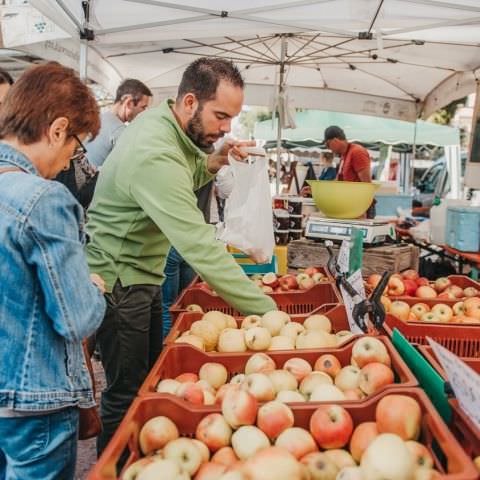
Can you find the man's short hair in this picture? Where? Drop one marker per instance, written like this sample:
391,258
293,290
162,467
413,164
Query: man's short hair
133,87
5,77
203,76
333,132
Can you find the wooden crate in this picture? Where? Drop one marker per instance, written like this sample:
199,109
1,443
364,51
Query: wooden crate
392,258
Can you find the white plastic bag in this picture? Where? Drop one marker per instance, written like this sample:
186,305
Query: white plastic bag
248,223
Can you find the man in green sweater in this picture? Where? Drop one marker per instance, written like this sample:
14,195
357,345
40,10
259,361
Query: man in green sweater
143,203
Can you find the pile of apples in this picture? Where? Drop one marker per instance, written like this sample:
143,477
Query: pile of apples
297,381
271,283
274,330
248,442
467,311
410,284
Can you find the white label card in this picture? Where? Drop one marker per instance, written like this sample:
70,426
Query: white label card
464,380
343,259
356,281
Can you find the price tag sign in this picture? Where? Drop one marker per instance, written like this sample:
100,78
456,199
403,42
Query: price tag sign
465,381
356,281
343,259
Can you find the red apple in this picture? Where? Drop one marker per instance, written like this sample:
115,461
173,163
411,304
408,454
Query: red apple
399,414
396,286
369,349
156,433
441,284
446,296
456,291
310,271
191,392
422,281
259,363
410,275
239,408
273,418
401,309
260,386
410,287
270,280
331,426
225,456
207,471
329,364
375,376
187,377
425,292
288,282
214,432
362,437
298,367
374,279
298,441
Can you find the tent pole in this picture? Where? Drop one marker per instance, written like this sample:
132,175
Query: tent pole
83,60
279,111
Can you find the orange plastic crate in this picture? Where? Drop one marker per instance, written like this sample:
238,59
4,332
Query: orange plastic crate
464,429
181,358
336,314
298,302
435,434
463,340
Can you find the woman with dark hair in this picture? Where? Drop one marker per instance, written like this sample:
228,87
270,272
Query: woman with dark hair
48,300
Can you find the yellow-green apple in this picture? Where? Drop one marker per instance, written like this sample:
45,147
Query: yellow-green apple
400,309
206,387
331,426
348,377
270,279
320,466
312,339
396,287
203,449
375,376
185,453
386,302
274,321
362,437
282,342
443,312
282,380
217,318
156,433
425,292
318,322
387,457
430,317
258,338
193,307
292,329
131,473
260,386
354,394
456,291
289,396
419,309
399,414
225,455
232,340
319,278
297,441
421,455
298,367
367,350
191,392
441,284
238,379
328,364
424,473
350,473
472,307
208,471
208,398
326,393
165,469
251,321
273,418
239,408
207,331
306,283
248,440
470,292
267,289
259,363
273,463
341,458
214,373
214,431
193,340
168,386
231,322
313,380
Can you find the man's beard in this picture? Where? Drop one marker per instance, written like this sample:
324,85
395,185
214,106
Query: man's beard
196,134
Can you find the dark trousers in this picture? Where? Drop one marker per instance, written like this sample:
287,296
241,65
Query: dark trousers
130,341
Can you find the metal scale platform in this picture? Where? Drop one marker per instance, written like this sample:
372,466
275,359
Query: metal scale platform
375,232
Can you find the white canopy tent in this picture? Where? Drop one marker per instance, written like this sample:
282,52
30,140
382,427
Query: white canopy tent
392,58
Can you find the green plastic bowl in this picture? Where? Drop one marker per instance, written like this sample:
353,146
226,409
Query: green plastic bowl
337,199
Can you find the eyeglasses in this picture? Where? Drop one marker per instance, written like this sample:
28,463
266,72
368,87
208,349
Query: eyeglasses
81,146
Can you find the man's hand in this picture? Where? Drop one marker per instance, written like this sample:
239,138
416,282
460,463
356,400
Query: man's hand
219,158
98,281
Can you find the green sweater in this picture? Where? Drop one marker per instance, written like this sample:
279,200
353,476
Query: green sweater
144,201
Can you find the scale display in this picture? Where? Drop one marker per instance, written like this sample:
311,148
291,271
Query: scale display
333,230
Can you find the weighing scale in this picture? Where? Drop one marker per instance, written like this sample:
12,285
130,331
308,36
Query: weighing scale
375,232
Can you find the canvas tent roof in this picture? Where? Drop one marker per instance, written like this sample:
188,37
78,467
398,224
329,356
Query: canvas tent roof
393,58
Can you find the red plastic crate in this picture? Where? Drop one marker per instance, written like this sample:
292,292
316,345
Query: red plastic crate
298,302
336,314
461,339
466,432
181,358
435,434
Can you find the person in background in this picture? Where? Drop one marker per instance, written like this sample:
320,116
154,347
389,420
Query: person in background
6,81
49,301
328,172
131,99
144,202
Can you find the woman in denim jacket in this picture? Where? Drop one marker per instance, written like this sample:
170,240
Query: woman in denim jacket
48,301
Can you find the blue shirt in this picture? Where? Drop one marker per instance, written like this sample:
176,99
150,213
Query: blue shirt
48,303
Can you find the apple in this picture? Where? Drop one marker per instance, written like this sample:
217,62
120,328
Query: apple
289,396
259,363
443,312
206,331
251,321
191,392
298,441
273,418
410,275
281,342
373,280
421,455
225,456
318,322
239,408
208,471
430,317
131,473
223,390
313,339
369,349
422,281
319,278
354,394
396,286
267,289
206,387
375,376
327,393
248,440
168,386
273,463
387,457
456,291
274,321
350,473
156,433
423,473
260,386
331,426
446,295
214,373
343,336
472,307
362,437
288,282
399,414
441,284
232,340
185,453
282,380
306,283
419,309
459,308
214,431
292,329
386,302
470,292
328,364
203,449
301,277
238,379
270,280
348,377
320,466
187,377
193,340
311,271
313,380
217,318
341,458
231,322
401,309
164,469
298,367
258,338
410,287
193,307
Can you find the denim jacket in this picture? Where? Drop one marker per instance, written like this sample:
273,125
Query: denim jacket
48,303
